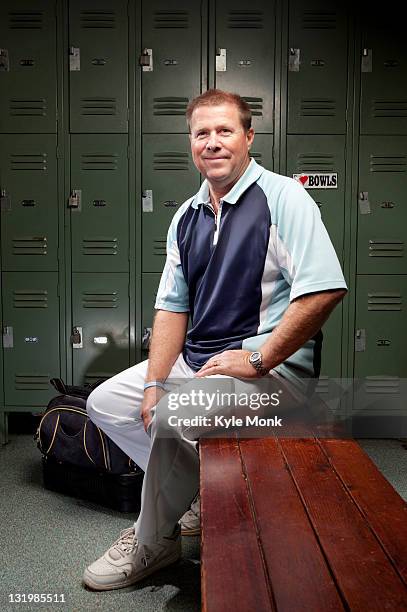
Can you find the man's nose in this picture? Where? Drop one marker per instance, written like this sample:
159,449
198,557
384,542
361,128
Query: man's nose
213,142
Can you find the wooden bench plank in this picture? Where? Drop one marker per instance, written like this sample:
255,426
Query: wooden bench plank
295,563
382,506
236,580
362,570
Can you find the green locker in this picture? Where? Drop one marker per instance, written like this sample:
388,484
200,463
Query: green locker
100,314
29,227
171,54
169,178
380,347
317,67
99,203
149,287
383,65
98,66
28,66
382,219
30,337
323,156
245,42
262,150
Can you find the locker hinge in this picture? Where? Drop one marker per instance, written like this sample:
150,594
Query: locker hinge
5,200
146,60
360,340
367,60
220,60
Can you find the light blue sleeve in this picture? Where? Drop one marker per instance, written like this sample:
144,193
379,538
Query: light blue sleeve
172,292
305,253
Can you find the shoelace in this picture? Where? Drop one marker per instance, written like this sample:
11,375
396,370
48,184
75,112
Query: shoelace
126,542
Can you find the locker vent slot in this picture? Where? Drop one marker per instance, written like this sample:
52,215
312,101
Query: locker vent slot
99,161
382,384
99,246
30,245
388,163
26,20
255,104
319,20
28,162
384,301
92,377
386,248
100,300
246,19
30,298
389,108
257,157
170,106
323,162
98,106
160,247
317,107
171,19
31,382
26,107
171,160
98,19
323,385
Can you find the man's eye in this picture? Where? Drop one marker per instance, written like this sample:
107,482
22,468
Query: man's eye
226,132
201,135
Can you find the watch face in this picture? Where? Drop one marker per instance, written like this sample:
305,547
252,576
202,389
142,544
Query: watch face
254,357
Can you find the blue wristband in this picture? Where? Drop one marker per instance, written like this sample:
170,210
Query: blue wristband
154,383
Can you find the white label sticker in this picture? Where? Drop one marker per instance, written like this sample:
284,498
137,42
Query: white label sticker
317,180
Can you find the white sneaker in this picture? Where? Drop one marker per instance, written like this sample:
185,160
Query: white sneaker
191,521
127,561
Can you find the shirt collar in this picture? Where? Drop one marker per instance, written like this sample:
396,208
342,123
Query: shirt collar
250,176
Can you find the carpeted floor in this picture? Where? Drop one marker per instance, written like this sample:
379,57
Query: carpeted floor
47,539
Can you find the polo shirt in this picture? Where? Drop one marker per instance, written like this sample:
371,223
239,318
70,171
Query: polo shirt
237,272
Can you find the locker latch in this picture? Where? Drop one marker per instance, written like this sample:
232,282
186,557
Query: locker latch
4,61
146,338
8,340
5,200
294,60
360,340
75,199
220,60
366,63
76,337
74,59
146,60
147,198
364,204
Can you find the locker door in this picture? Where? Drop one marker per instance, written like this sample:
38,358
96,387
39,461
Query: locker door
149,287
100,224
31,338
28,66
98,65
245,37
384,72
317,67
169,178
172,31
262,150
29,228
382,218
100,312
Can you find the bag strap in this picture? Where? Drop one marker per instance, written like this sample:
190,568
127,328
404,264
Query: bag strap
59,385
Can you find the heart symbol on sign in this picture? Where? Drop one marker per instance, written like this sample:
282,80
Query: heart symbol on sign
303,179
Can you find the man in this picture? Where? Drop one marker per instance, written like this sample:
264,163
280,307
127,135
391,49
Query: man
246,256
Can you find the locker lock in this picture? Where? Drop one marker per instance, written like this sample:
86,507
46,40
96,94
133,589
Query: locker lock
75,199
76,337
146,60
146,338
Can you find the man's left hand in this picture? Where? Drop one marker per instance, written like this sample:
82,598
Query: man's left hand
230,363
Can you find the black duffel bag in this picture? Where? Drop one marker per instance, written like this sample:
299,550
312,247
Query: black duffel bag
79,459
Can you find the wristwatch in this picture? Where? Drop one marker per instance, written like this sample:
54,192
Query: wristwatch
256,360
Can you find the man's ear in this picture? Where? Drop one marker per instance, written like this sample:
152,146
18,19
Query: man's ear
250,137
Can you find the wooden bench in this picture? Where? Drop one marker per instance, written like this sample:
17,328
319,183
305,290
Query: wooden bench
299,525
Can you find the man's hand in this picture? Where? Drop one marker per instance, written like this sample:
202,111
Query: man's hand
152,396
231,363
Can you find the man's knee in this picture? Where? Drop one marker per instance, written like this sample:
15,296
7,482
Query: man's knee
96,405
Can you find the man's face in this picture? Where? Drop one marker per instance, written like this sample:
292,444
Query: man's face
220,144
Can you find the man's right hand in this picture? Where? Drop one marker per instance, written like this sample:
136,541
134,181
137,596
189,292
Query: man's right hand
152,396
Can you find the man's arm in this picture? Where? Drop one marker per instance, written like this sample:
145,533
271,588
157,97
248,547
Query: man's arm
167,341
303,318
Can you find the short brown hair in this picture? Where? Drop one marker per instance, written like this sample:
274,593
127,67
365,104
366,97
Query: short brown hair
215,97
